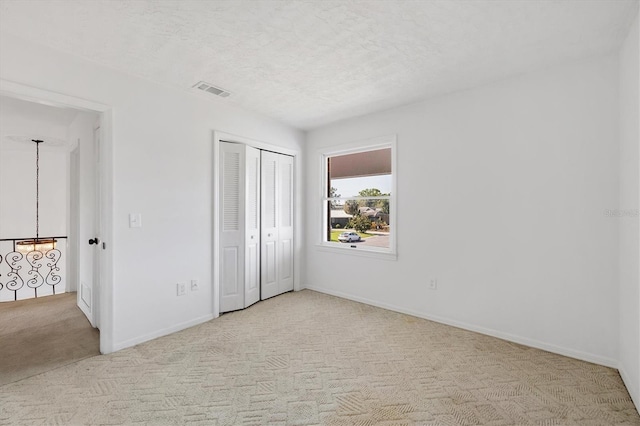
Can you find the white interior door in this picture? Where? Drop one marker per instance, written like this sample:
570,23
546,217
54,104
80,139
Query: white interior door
89,226
252,227
285,223
277,224
232,223
269,232
98,243
255,237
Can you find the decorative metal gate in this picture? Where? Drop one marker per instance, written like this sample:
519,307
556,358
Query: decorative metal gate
25,269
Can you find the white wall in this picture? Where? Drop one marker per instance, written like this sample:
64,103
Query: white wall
501,196
18,175
162,161
628,220
18,193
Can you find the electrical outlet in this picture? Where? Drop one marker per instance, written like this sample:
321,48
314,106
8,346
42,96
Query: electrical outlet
194,285
182,289
135,220
433,283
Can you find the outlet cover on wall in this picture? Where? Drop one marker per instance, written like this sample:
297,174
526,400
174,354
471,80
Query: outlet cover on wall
135,220
194,285
182,289
433,283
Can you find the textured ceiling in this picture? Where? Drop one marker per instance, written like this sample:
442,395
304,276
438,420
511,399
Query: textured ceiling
308,63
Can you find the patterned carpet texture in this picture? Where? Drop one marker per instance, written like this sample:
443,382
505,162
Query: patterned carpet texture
307,358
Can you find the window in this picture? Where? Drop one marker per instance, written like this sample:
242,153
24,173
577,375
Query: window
358,200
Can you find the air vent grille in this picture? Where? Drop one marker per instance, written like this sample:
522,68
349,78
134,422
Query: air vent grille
210,88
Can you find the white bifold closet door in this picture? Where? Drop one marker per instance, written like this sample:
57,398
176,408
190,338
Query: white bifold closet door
256,225
277,224
239,226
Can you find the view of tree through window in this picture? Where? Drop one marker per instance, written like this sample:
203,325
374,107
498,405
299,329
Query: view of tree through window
358,198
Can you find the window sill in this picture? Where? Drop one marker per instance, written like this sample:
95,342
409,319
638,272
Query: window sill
346,249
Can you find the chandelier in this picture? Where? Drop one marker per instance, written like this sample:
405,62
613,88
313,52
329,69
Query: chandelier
36,244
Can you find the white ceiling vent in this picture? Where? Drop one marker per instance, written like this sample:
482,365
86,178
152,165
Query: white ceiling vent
206,87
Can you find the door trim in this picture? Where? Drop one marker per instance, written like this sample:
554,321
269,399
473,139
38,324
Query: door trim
33,94
219,136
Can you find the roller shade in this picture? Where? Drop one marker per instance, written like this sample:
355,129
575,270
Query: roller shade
369,163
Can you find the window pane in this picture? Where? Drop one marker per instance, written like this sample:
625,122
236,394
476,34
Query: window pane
357,199
368,218
361,186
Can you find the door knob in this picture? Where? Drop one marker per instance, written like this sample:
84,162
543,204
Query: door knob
94,241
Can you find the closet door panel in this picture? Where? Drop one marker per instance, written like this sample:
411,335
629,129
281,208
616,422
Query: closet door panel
286,263
285,223
231,227
252,274
270,260
252,227
229,272
256,225
269,231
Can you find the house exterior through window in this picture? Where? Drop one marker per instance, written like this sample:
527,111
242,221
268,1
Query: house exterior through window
359,196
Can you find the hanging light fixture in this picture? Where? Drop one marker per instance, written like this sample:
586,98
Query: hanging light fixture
36,244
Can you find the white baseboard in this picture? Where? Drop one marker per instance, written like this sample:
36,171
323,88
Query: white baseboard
572,353
632,387
163,332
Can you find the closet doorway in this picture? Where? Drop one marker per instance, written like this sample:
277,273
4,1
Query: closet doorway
255,223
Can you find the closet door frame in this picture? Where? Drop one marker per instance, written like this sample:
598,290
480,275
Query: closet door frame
297,213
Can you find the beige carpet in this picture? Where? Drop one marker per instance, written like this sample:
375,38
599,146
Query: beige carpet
308,358
38,335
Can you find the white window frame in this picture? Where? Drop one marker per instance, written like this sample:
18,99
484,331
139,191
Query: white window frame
373,144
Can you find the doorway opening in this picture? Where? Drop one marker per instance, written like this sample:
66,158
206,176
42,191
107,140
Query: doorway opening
49,292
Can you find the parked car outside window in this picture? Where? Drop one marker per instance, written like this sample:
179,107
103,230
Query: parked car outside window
347,237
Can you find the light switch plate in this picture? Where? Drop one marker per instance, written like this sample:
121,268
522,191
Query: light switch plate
433,283
135,220
182,289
